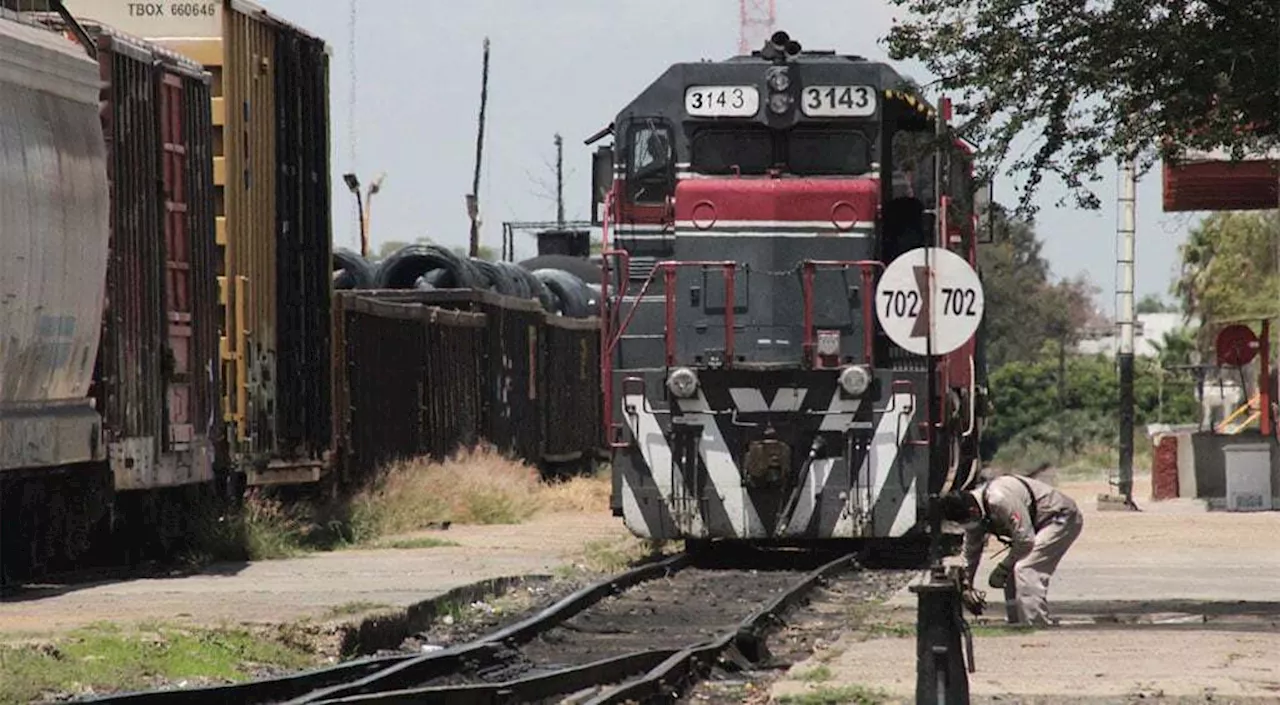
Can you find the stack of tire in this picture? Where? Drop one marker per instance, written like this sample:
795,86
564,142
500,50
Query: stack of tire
429,267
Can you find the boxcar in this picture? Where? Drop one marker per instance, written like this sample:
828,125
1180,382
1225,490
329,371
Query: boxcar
156,379
269,107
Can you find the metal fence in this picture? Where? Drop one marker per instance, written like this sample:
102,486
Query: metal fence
423,373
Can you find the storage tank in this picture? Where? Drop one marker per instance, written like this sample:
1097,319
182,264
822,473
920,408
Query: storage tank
270,112
53,247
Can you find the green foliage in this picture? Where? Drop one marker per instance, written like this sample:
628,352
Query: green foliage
1090,80
109,658
1023,309
1154,304
844,695
1030,420
1229,272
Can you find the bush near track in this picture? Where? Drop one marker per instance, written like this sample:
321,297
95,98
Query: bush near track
473,486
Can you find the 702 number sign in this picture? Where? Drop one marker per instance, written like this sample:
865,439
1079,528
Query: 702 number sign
838,101
955,302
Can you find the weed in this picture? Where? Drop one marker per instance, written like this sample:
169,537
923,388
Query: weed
817,674
358,607
414,542
890,630
850,694
614,555
474,486
102,658
1001,630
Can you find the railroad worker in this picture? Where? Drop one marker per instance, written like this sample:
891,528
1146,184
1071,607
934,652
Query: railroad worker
1038,522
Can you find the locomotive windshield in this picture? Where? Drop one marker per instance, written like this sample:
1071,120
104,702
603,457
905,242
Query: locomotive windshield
803,151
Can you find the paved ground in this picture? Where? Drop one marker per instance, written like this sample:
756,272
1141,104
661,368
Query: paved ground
1133,594
283,590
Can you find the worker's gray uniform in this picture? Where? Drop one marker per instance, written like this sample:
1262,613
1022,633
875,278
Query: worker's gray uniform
1039,536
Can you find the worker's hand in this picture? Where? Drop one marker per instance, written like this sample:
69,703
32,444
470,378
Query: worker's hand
999,576
974,601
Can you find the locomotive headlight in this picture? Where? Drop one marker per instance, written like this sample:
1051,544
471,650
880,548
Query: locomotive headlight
855,379
778,79
682,382
780,103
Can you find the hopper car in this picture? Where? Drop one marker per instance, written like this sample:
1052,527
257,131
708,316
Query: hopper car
751,394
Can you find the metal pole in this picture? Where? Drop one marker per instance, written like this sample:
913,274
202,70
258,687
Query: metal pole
1125,319
364,230
559,182
941,676
474,201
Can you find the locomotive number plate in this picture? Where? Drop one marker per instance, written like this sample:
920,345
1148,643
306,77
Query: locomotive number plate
722,101
838,101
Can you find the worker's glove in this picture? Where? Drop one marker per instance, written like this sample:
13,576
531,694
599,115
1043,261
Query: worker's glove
974,601
999,576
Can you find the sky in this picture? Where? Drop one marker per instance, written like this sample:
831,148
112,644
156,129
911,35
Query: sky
569,66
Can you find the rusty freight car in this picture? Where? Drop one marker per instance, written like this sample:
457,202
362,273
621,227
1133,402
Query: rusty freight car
269,106
156,378
148,343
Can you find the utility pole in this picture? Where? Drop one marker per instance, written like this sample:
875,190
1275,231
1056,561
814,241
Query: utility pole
559,181
1125,319
473,199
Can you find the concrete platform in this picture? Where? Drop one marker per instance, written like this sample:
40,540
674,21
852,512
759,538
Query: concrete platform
1169,601
279,591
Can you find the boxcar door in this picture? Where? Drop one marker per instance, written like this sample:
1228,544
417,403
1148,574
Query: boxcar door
180,397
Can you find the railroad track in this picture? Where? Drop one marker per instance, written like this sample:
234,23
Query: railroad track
640,636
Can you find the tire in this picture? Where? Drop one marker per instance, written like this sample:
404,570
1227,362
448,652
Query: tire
496,280
572,294
351,271
538,290
405,266
518,278
588,270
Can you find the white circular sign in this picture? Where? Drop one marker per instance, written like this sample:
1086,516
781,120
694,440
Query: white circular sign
905,303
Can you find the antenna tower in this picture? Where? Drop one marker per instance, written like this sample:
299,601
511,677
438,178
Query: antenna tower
351,110
757,18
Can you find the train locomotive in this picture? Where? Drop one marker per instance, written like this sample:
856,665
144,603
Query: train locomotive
749,207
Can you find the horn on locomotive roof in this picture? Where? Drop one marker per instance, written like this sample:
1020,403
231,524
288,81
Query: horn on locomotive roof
780,46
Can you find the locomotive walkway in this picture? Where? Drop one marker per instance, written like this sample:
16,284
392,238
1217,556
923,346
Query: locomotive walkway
1172,602
279,591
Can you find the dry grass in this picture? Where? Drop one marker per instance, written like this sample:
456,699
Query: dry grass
474,486
577,494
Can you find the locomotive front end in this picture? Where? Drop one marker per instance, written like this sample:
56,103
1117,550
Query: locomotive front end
750,392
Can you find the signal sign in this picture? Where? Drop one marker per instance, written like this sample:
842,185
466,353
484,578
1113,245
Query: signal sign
905,303
1237,345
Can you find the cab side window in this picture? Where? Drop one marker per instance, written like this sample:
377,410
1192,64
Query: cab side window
650,162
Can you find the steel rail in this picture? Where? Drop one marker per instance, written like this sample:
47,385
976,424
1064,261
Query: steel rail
422,668
655,673
672,674
347,678
526,689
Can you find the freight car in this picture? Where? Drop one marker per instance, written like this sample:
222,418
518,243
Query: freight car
107,430
270,120
750,206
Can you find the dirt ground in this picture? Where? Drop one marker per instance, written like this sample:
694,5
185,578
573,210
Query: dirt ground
283,590
1168,604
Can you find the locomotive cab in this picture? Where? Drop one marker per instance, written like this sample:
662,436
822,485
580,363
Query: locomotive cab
748,208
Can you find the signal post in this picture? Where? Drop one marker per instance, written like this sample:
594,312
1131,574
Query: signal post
930,301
